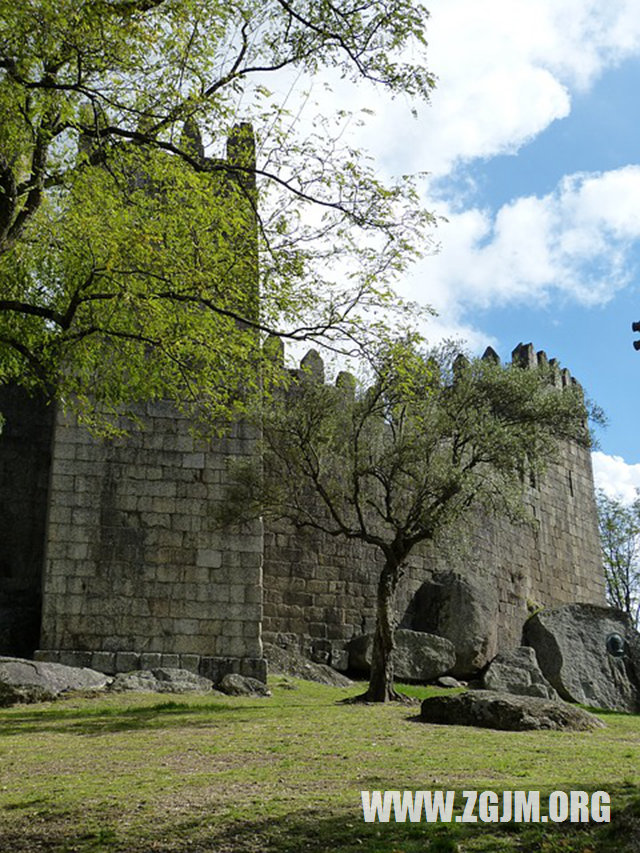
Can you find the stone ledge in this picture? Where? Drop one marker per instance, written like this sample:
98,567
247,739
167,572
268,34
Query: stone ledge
214,668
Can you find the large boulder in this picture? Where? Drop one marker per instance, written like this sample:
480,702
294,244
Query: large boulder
464,611
288,661
590,654
23,694
161,680
487,709
241,685
517,671
417,656
28,681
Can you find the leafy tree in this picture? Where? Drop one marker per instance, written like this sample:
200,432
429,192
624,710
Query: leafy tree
620,537
128,254
397,462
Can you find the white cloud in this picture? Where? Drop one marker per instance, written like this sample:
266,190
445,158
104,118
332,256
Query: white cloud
506,69
448,327
615,477
576,243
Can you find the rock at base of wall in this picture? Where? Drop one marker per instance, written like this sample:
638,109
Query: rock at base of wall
161,680
517,671
487,709
417,656
14,694
465,612
239,685
45,680
576,648
288,661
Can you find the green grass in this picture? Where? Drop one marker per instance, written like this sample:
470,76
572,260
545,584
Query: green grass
138,772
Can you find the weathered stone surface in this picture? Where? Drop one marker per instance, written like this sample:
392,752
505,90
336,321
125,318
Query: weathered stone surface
517,671
571,646
312,366
290,662
171,675
360,649
51,678
487,709
465,612
140,681
161,680
340,658
422,657
318,586
449,682
135,552
239,685
15,694
418,656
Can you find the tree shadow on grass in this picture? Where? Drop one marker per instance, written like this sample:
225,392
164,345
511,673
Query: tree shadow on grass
348,834
308,833
315,831
87,721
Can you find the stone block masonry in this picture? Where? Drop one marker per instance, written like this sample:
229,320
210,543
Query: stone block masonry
136,571
137,568
320,591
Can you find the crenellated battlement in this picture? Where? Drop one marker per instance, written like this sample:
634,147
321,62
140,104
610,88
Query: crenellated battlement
525,356
312,368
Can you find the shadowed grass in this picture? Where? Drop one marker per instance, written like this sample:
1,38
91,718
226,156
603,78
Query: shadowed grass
137,773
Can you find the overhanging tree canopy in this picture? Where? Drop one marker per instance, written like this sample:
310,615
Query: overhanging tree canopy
127,250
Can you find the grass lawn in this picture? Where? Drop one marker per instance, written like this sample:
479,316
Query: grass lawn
149,772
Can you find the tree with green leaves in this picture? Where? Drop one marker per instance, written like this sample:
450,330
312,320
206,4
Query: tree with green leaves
400,460
619,525
133,250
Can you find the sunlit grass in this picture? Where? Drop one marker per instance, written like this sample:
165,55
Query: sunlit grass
138,772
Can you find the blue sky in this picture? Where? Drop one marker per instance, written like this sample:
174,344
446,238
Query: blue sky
601,133
532,140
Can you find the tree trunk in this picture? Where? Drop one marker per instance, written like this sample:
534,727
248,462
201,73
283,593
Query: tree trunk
381,678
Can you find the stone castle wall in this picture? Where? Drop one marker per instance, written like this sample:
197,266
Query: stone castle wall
322,590
133,567
137,571
111,550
